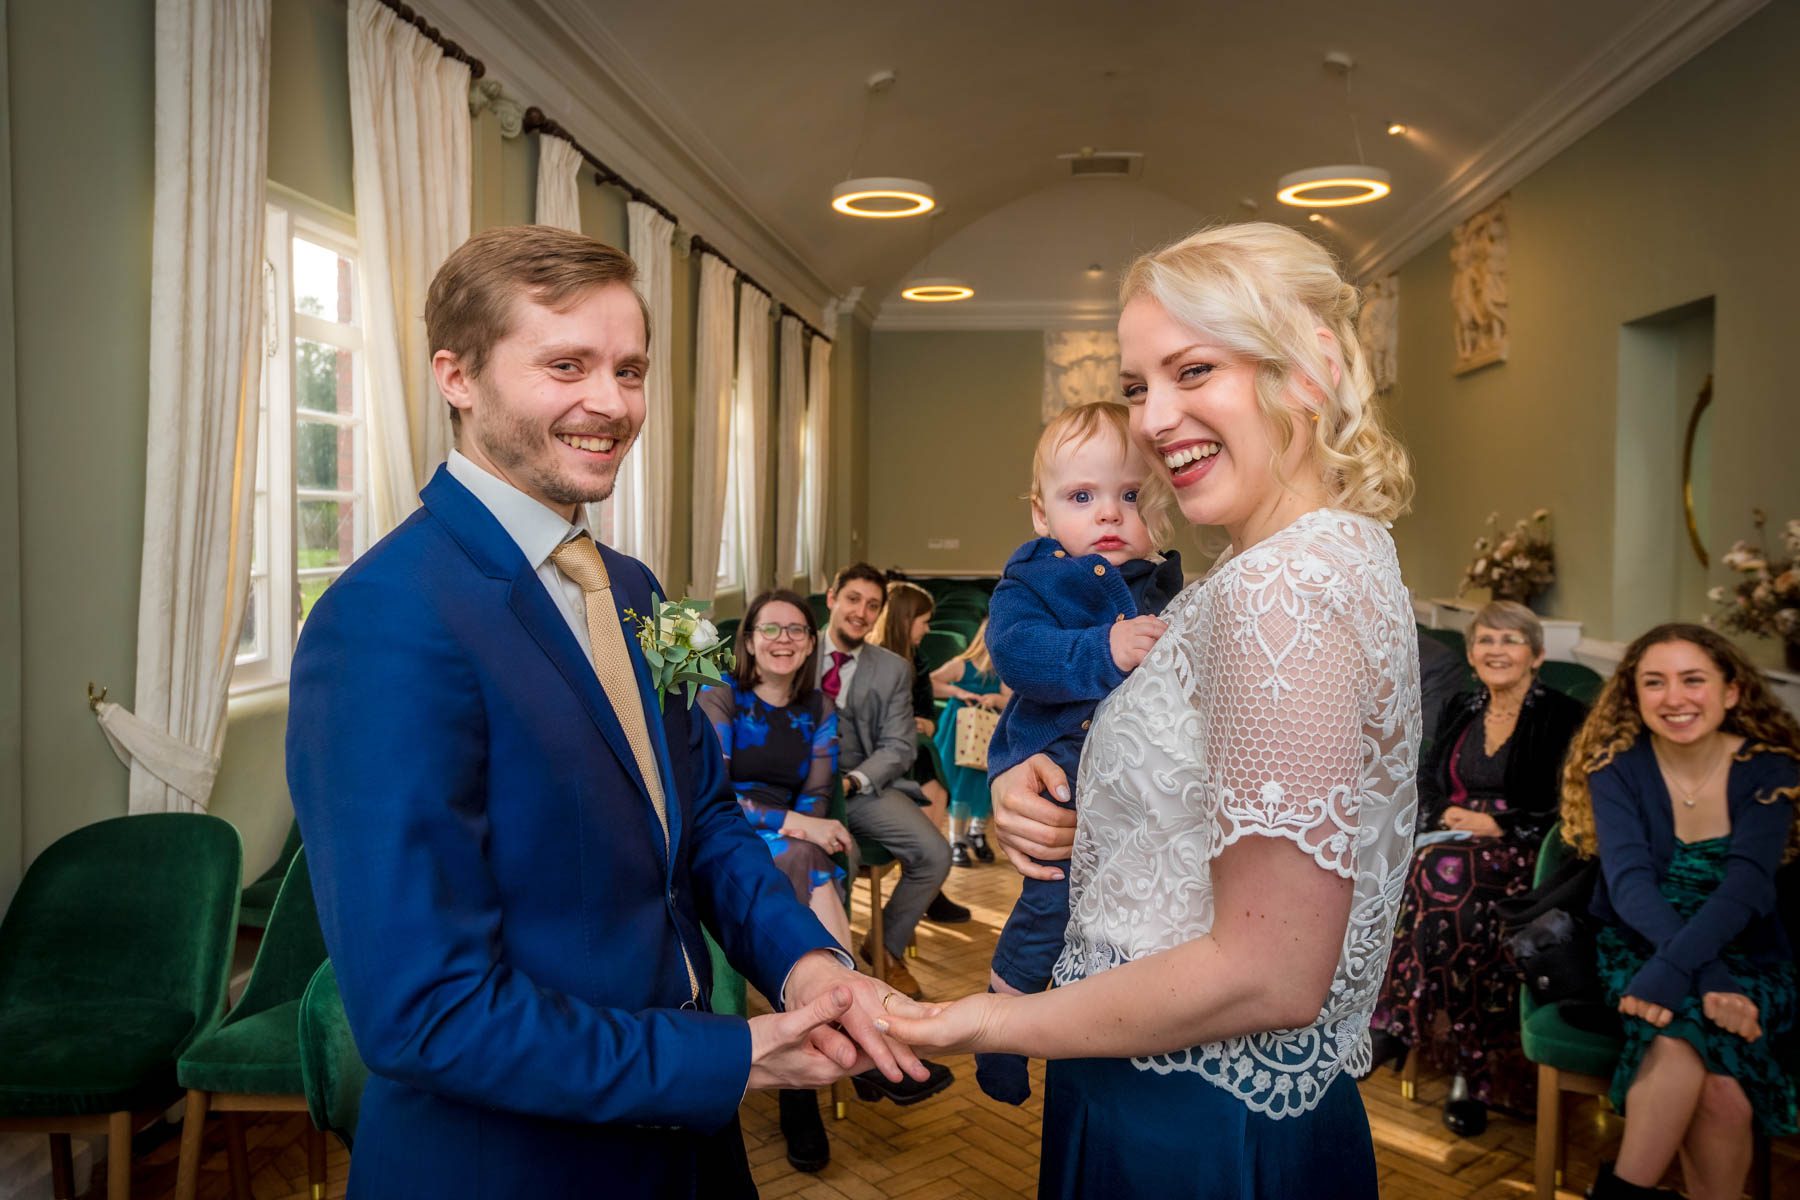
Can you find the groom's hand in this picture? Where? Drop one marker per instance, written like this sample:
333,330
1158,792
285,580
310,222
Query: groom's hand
818,974
784,1052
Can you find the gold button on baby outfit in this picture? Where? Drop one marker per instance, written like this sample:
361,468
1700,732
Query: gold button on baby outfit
1057,554
1099,570
1118,618
1085,724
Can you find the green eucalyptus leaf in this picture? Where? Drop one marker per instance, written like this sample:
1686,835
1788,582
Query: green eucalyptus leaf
652,657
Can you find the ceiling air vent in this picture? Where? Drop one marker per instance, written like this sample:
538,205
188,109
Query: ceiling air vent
1088,163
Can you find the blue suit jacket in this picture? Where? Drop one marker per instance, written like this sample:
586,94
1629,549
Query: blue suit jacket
496,892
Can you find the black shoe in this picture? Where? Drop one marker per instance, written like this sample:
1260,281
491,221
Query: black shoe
1465,1118
979,843
1610,1187
873,1085
808,1149
945,911
960,856
1385,1047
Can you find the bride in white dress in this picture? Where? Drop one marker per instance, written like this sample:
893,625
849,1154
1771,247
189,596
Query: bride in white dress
1245,802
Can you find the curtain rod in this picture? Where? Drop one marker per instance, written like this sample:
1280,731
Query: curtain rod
537,122
451,50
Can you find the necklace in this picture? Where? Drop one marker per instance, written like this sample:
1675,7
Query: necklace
1690,795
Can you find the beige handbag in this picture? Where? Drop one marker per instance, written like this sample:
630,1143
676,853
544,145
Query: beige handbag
974,730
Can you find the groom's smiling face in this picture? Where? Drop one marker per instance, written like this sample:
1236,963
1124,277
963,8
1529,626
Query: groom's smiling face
560,399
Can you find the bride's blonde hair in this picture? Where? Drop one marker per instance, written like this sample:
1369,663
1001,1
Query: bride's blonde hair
1263,292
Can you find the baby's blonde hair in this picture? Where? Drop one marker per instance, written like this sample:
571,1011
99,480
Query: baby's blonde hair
1074,427
1263,291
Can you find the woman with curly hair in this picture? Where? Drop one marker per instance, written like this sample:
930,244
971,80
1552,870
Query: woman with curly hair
1683,780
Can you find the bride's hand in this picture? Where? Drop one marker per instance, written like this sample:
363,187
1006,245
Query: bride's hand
966,1025
1026,824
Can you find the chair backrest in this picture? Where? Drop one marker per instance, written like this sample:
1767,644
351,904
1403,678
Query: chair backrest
331,1070
939,646
728,994
143,907
1572,679
1553,852
292,947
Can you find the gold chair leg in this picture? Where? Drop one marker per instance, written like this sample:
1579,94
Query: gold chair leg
840,1091
62,1168
912,947
1549,1133
315,1161
877,929
193,1136
239,1155
1409,1076
118,1156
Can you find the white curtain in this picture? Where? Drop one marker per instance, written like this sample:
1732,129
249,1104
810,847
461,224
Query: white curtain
818,460
206,271
712,421
750,432
789,418
644,494
409,121
559,173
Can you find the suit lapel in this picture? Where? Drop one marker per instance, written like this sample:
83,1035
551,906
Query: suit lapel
494,552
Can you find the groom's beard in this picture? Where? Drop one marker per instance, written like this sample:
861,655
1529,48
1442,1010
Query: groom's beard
517,445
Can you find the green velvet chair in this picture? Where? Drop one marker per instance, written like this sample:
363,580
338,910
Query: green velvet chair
250,1062
939,646
1572,679
964,627
332,1073
1568,1059
258,899
113,958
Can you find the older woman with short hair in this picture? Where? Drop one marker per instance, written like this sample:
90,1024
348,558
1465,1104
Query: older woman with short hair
1487,795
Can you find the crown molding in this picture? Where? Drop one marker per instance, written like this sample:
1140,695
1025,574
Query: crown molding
1649,50
907,316
570,67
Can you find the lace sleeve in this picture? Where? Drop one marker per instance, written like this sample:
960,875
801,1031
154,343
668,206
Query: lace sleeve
1282,729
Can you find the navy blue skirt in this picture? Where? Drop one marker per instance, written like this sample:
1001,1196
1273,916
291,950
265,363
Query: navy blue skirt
1111,1130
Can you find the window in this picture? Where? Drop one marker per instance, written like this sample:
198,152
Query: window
311,474
731,539
804,509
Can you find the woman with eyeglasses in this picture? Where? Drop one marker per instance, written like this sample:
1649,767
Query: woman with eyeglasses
779,734
1488,792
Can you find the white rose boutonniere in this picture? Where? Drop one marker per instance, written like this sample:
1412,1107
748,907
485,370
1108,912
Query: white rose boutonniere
681,646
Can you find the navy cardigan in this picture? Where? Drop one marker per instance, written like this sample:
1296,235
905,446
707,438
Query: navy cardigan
1050,634
1635,823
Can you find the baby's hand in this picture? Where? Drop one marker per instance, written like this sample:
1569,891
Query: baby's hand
1131,640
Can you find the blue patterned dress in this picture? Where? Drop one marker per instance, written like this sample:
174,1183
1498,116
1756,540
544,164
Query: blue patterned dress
781,759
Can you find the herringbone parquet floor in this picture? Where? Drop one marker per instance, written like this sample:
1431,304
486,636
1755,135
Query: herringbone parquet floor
961,1144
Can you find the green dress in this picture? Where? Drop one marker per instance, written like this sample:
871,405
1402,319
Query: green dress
1694,872
968,787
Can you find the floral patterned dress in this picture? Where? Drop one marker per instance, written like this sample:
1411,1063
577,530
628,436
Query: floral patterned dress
781,759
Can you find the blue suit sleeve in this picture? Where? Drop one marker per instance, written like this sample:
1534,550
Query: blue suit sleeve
386,753
1041,660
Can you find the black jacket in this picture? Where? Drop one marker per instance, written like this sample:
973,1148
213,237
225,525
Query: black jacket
1533,783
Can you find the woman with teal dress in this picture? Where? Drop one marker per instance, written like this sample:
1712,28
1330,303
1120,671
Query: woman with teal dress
968,679
1683,781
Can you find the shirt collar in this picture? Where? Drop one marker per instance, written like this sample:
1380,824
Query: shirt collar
536,528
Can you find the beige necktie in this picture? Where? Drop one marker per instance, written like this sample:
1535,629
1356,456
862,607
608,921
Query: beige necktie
579,559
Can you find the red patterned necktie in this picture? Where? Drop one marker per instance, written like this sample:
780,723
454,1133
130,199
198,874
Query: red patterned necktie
834,680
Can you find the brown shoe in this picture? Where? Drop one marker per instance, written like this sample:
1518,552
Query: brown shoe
898,977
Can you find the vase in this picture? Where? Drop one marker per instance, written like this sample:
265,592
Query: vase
1793,655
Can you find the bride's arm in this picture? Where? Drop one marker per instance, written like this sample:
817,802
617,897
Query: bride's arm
1267,964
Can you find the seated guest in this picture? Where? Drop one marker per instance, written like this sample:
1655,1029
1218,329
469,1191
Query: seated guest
1683,781
1493,778
1442,674
905,620
779,734
877,742
968,679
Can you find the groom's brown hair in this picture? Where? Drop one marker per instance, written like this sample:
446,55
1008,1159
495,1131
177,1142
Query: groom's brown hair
471,302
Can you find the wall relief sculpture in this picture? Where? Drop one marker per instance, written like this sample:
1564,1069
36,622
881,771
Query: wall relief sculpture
1080,367
1478,252
1378,325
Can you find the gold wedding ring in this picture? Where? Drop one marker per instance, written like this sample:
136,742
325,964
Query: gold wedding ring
885,999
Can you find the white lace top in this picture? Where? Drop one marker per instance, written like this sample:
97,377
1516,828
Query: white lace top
1282,702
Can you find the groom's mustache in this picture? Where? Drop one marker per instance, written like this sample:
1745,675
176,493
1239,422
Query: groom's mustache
615,430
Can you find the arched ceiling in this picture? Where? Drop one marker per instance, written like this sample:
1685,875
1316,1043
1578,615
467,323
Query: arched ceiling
1221,100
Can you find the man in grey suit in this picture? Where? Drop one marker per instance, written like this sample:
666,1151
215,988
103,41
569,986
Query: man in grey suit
877,741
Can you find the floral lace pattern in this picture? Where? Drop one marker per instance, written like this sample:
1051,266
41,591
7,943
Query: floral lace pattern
1282,702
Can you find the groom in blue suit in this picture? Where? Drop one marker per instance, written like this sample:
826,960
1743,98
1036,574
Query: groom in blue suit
513,843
